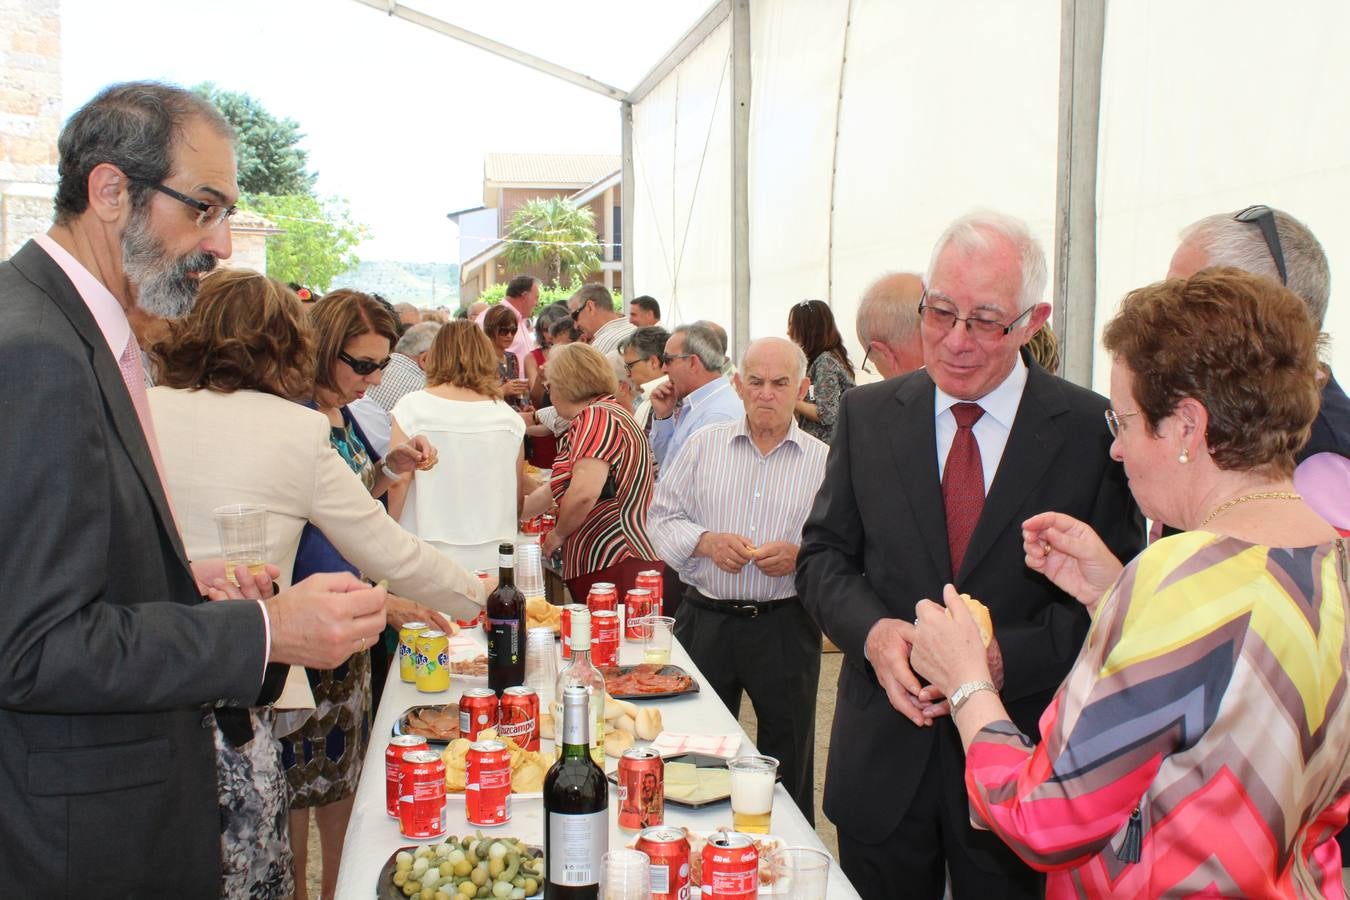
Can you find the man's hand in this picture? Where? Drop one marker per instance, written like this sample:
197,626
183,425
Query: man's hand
417,453
777,558
399,611
664,399
516,387
887,649
1071,555
212,583
324,619
729,552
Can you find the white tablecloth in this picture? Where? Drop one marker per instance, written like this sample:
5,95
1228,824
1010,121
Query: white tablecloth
372,835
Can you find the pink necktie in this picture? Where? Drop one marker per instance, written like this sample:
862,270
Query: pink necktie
133,373
963,483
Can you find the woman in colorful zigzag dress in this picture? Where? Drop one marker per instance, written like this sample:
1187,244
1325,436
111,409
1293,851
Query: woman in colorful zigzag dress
1201,744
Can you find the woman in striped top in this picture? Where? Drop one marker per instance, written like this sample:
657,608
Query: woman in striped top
1198,746
602,476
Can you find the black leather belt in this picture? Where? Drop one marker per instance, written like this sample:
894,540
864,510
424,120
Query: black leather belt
746,609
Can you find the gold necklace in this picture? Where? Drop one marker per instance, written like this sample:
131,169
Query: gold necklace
1259,495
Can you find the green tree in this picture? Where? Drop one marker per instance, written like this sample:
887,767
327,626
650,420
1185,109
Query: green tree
555,234
317,243
269,157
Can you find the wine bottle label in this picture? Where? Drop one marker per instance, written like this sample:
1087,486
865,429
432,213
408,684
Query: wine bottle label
504,640
506,561
576,843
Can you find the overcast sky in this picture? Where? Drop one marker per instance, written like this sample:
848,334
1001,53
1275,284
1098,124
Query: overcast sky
397,118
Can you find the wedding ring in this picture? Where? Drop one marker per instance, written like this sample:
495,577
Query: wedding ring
362,646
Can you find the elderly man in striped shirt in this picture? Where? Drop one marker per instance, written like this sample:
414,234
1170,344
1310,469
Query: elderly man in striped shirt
728,516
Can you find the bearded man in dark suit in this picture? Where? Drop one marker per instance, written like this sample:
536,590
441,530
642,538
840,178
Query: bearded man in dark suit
115,669
928,482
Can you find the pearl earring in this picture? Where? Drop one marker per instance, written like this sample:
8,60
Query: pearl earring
1185,456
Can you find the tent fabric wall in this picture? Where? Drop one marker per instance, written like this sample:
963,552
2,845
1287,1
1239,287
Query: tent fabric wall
682,194
1210,107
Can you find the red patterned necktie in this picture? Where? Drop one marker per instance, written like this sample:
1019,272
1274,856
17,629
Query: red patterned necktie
963,483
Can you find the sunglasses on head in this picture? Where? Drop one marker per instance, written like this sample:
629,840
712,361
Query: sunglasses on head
1264,218
362,366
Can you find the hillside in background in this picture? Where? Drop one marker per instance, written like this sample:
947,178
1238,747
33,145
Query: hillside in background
421,284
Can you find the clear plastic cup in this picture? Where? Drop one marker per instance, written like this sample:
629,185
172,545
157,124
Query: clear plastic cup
243,536
625,875
658,632
799,873
541,665
529,572
752,780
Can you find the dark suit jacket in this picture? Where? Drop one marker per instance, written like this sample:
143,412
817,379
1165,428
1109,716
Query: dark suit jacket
110,662
876,543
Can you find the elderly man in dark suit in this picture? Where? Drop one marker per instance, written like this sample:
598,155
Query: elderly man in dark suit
115,669
928,482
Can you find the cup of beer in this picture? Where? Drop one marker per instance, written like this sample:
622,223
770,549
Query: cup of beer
657,633
752,780
243,537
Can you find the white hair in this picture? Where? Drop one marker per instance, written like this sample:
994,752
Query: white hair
973,232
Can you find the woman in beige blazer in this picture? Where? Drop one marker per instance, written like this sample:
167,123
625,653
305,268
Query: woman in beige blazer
237,364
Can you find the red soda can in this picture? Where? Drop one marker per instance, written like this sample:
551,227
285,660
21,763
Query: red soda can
566,628
487,793
730,867
518,717
642,789
421,795
602,596
399,744
477,710
637,604
668,849
655,582
605,637
546,524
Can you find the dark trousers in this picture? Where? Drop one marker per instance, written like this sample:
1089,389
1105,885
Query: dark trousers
934,839
775,658
673,589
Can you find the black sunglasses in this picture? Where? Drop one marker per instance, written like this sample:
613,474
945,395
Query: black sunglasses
1264,218
576,312
362,366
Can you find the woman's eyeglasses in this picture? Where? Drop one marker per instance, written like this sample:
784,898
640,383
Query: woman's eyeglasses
1115,421
362,366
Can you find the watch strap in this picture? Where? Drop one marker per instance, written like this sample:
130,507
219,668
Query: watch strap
964,692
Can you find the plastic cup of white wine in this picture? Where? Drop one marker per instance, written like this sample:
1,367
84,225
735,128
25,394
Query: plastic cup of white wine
752,780
658,632
625,875
243,536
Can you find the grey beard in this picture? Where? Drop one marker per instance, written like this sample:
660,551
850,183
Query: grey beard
164,287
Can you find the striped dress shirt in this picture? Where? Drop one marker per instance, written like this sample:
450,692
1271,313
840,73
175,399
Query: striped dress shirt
721,482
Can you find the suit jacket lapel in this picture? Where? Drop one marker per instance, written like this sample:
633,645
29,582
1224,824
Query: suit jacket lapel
39,268
1033,442
914,448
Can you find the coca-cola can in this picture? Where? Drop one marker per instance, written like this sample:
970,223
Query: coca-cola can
487,793
605,637
637,604
477,710
655,582
399,744
730,867
547,522
518,717
566,628
421,795
668,849
642,788
602,596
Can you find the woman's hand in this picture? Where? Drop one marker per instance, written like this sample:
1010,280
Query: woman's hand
213,584
550,543
947,649
417,453
399,611
1071,555
516,387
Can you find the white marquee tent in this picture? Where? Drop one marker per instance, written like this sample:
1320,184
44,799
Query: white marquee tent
787,149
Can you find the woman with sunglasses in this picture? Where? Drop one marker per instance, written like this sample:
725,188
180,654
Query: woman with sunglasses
500,324
811,326
246,353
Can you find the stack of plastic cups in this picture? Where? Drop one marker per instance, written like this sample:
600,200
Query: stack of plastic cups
529,568
541,664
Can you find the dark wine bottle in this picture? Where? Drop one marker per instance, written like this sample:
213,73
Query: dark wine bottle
506,626
576,808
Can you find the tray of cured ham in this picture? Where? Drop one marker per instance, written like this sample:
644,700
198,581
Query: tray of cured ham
438,724
647,681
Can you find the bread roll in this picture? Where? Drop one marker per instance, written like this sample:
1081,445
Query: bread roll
625,723
980,613
618,741
615,708
546,726
648,723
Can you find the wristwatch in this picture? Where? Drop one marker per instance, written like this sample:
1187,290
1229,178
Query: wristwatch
964,692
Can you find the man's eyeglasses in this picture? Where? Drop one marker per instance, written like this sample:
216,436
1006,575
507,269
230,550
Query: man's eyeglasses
576,313
209,215
1115,422
362,366
941,318
1264,218
866,357
628,366
668,358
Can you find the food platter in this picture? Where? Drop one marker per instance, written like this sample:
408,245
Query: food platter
387,890
447,712
626,682
700,761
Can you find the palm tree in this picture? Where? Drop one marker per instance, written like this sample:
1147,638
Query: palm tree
555,234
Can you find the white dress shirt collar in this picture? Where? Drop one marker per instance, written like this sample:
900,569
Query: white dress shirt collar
1000,404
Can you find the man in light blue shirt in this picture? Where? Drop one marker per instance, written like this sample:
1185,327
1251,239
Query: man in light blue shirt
697,393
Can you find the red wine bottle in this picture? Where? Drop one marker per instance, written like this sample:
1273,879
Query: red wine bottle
576,808
506,626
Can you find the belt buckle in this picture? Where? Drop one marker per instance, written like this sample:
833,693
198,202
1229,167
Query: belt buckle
751,610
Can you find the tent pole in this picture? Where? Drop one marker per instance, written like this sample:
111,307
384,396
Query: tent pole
627,203
740,181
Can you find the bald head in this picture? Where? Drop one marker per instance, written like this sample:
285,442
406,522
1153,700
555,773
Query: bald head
888,323
772,378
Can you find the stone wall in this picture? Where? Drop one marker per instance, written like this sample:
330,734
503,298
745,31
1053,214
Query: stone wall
30,117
